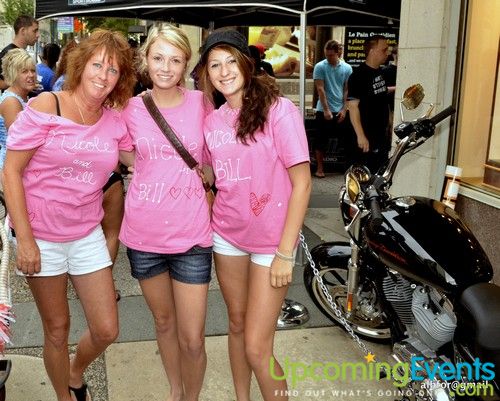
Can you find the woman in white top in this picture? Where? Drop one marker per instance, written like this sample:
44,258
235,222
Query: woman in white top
19,72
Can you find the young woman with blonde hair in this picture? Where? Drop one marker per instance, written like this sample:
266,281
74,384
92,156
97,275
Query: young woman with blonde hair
166,227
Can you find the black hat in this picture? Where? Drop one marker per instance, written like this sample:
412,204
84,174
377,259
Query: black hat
231,38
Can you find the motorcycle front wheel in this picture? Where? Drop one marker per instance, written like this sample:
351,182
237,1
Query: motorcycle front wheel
367,319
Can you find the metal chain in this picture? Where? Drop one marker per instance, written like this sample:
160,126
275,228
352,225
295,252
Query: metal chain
329,298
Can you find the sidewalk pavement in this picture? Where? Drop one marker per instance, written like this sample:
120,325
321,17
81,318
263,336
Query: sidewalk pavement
130,369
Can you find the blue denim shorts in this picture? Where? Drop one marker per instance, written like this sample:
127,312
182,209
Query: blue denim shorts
192,267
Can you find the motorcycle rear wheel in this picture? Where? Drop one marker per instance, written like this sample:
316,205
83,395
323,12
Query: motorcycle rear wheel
367,320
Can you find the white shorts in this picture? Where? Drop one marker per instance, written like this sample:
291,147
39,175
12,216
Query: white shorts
81,256
222,247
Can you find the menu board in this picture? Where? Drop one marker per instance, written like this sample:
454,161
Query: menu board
355,38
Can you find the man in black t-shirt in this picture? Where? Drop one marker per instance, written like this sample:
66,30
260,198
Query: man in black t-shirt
368,104
25,34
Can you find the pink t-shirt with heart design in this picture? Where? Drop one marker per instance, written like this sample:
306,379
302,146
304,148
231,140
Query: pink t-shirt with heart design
63,180
252,180
166,209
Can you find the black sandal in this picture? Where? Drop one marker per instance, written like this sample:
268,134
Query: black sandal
80,393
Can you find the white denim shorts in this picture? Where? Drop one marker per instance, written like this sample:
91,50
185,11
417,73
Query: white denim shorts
81,256
222,247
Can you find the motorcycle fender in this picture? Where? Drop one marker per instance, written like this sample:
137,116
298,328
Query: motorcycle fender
335,253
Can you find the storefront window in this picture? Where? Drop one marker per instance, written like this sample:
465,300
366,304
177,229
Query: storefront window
478,125
492,167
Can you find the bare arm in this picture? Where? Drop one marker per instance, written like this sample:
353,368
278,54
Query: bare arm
300,176
28,254
341,114
346,91
10,109
355,118
320,87
127,158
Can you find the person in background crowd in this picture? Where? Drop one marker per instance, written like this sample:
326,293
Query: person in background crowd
62,65
257,52
25,34
166,226
330,79
368,105
20,76
46,69
258,148
143,81
60,151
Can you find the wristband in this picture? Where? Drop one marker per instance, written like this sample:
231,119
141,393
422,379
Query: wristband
284,257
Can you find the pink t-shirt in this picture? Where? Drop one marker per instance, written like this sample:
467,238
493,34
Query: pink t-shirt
252,180
63,180
166,210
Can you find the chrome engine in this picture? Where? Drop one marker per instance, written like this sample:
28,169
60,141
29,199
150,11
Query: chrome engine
430,323
428,389
435,320
427,315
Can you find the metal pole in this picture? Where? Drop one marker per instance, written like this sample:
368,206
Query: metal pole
302,71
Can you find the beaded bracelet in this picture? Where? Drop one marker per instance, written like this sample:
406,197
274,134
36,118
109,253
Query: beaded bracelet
284,257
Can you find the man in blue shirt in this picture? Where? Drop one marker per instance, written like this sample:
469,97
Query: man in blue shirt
330,79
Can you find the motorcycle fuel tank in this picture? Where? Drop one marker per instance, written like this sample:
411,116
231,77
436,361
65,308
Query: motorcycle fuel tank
425,240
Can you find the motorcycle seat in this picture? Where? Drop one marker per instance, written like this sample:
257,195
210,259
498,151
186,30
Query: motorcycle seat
481,306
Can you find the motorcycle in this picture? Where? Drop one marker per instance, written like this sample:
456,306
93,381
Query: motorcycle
412,274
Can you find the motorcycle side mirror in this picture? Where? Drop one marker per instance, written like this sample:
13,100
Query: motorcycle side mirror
412,97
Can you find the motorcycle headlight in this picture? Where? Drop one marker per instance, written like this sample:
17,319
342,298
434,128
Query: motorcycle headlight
352,187
355,176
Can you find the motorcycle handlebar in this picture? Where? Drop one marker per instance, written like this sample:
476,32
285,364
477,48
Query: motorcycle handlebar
376,214
442,115
423,127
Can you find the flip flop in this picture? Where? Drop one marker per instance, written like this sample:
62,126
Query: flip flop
81,393
320,175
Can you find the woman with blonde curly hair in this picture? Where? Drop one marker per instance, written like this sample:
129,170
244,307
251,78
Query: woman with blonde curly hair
60,151
20,75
